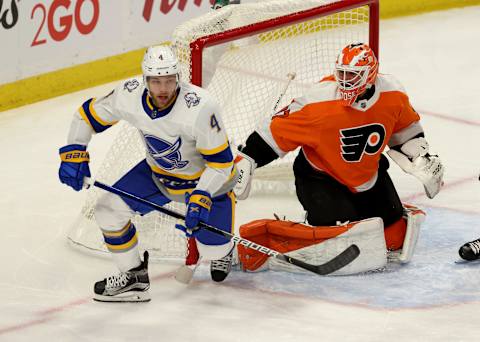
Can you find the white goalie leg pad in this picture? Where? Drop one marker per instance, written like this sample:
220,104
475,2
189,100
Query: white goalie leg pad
415,217
214,252
367,234
112,215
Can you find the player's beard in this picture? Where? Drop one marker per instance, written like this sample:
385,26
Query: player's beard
162,100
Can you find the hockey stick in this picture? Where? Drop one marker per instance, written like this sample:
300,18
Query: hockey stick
341,260
185,273
290,77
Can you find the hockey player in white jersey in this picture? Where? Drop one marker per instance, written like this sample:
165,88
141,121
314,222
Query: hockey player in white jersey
188,158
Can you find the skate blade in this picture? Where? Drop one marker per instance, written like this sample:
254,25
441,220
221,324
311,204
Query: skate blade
470,262
127,297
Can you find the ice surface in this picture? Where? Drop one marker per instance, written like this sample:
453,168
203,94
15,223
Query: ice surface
46,286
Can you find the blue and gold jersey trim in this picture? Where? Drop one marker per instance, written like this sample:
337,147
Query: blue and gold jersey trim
90,116
214,150
174,176
175,183
219,158
178,187
153,111
121,241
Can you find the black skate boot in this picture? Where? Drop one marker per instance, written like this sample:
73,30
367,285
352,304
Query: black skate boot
470,251
219,269
130,286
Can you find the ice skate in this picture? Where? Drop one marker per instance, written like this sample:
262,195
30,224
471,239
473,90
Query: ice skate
130,286
219,269
470,251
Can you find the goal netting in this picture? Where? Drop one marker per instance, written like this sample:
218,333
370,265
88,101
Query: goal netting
242,54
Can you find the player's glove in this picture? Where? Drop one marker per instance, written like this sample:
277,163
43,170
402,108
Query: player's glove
414,159
198,209
74,166
245,168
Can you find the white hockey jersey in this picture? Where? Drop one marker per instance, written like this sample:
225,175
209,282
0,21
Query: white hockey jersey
185,141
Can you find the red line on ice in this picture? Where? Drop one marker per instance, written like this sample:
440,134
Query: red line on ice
450,118
48,314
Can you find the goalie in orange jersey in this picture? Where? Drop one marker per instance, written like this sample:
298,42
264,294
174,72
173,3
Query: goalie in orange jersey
342,125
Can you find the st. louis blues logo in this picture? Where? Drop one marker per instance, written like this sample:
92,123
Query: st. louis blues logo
191,99
359,140
165,154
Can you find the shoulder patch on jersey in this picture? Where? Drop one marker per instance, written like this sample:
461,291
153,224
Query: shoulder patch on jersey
359,140
192,99
131,85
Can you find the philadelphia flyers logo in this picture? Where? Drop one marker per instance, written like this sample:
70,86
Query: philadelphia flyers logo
359,140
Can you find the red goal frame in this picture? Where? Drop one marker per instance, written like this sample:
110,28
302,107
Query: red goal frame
198,45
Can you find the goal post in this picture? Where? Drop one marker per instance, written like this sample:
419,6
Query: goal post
242,54
198,45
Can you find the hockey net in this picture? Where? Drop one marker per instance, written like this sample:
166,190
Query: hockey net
242,54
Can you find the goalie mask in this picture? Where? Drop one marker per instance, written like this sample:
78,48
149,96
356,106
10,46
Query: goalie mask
356,69
159,61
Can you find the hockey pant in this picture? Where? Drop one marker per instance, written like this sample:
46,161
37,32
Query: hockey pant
113,214
327,201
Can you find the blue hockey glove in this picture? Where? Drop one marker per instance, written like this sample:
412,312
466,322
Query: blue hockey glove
74,166
198,209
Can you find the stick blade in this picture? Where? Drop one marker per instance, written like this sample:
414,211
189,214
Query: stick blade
340,261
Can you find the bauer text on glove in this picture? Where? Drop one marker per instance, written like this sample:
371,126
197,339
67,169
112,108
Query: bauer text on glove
74,165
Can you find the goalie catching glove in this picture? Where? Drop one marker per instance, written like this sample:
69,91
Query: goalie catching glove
245,168
413,158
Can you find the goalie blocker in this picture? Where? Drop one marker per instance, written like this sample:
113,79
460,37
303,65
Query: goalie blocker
319,244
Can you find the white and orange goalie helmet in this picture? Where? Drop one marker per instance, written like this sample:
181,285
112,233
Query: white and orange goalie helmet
355,69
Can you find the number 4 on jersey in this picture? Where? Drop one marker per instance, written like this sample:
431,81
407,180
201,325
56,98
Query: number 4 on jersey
214,123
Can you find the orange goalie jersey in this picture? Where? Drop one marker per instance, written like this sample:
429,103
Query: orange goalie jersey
345,142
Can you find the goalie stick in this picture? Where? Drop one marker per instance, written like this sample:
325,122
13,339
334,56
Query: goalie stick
290,77
341,260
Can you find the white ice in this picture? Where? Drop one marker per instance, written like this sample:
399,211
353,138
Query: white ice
46,286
